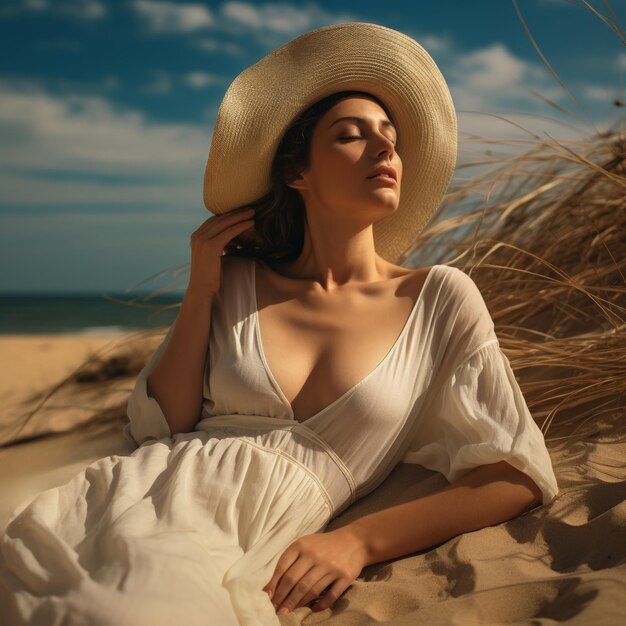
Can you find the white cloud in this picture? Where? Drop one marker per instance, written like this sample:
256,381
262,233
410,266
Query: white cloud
79,9
34,5
491,78
493,81
434,43
199,80
163,83
87,140
492,67
492,93
242,12
268,23
208,44
600,93
160,16
278,18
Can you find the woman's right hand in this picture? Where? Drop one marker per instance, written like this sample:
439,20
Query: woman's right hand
207,248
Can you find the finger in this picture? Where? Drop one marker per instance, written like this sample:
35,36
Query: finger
291,583
317,590
340,585
300,589
217,230
215,223
224,238
287,558
223,242
214,232
216,220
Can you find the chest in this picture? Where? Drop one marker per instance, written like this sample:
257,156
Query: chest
317,349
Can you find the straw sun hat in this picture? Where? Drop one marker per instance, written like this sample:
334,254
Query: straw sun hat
266,97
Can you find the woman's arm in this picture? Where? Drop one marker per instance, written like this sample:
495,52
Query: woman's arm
176,381
487,495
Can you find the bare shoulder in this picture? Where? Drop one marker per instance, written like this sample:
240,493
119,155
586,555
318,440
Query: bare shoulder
412,277
460,293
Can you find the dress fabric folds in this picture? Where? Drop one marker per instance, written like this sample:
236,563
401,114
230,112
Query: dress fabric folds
479,416
188,528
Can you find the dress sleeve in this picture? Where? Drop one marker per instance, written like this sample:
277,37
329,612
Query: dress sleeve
147,420
479,416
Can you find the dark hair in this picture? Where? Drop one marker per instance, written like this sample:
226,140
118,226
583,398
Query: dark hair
280,214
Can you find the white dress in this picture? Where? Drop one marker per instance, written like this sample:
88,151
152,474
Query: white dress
190,527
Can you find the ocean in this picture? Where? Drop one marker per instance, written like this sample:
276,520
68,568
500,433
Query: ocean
88,314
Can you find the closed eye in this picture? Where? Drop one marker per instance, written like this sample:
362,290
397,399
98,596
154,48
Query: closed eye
355,137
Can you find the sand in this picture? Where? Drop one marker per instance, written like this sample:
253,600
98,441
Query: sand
32,362
32,365
564,562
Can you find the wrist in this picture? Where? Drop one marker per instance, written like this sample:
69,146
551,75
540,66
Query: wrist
360,539
196,295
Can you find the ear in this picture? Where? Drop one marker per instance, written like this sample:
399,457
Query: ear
298,182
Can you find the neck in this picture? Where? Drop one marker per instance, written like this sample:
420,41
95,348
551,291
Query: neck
330,260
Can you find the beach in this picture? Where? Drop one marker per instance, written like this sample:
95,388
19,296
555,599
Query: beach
565,561
34,361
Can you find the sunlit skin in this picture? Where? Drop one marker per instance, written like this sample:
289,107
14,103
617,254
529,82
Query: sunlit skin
341,203
341,206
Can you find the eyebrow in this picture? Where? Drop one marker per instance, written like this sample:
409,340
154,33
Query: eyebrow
386,123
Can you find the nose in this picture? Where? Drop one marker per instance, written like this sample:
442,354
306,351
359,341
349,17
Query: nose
384,145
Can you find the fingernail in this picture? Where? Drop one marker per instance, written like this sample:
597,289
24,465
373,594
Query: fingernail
269,593
283,611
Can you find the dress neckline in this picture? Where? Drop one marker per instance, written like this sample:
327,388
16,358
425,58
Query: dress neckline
349,392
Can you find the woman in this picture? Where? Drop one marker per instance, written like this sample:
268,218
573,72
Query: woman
303,366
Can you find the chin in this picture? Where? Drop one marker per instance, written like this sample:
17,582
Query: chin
389,207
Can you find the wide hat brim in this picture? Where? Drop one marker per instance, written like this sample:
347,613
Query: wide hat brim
266,97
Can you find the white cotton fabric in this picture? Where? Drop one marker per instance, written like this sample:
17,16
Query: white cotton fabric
197,521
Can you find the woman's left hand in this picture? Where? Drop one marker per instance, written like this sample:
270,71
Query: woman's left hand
312,563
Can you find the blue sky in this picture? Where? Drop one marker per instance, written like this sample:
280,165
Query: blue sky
107,110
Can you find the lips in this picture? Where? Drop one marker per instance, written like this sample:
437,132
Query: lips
385,170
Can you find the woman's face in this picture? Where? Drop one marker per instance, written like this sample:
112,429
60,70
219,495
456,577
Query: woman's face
344,153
